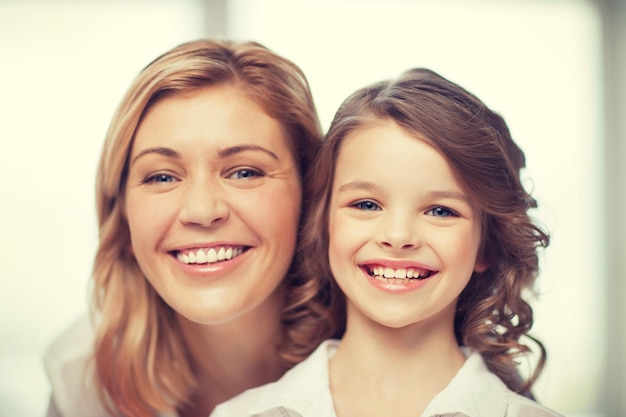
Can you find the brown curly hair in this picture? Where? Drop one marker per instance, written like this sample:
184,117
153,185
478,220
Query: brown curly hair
492,314
142,364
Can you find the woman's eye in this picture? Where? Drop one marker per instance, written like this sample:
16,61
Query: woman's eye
245,174
159,178
441,212
366,205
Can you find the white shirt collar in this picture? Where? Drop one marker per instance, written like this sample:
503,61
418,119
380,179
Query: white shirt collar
474,391
305,389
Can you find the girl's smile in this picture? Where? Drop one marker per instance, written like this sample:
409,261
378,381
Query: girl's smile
404,238
396,277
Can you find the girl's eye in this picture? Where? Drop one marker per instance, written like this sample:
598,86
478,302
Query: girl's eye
441,212
245,173
366,205
159,178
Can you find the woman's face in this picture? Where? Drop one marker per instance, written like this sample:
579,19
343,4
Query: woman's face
213,203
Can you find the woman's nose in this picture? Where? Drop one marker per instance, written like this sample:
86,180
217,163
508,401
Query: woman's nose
203,205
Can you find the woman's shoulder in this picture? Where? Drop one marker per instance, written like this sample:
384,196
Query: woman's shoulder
71,349
70,368
75,340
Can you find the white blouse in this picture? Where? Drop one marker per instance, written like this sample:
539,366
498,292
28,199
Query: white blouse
70,368
305,391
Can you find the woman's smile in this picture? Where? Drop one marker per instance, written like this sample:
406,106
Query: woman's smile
207,170
210,255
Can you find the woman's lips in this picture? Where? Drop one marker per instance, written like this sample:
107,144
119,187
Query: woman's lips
209,255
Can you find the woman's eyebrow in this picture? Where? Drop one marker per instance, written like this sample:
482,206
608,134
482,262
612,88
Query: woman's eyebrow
169,152
225,153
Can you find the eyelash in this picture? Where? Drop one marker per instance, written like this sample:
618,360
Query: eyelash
360,205
439,210
250,173
154,178
246,173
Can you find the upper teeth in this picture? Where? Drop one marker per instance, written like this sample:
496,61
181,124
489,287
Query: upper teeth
203,256
396,273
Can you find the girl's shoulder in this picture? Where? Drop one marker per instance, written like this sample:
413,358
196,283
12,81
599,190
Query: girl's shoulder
474,380
524,407
304,390
70,369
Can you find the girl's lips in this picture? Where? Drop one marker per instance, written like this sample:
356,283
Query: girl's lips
408,272
397,280
209,255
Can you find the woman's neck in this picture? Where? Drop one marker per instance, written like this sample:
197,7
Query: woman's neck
392,371
231,357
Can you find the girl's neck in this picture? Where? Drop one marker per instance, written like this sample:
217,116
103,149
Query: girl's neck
231,357
392,371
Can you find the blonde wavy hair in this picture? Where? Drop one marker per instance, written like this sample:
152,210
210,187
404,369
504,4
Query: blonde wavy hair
492,314
142,364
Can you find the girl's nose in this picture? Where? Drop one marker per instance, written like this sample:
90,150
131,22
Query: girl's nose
399,232
203,205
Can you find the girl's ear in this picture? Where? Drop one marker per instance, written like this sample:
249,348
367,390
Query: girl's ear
481,265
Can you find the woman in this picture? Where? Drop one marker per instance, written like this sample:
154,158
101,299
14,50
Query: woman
199,199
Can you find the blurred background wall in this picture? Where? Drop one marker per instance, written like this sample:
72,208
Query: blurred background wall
555,69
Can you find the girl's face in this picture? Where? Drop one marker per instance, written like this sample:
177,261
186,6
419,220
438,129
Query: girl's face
404,237
213,202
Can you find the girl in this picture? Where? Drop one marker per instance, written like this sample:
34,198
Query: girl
198,197
424,228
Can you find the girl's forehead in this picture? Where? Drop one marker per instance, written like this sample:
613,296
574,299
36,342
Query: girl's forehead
387,142
383,125
383,134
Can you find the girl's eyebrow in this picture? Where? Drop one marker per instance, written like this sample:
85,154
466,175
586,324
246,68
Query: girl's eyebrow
359,185
370,186
449,194
223,153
